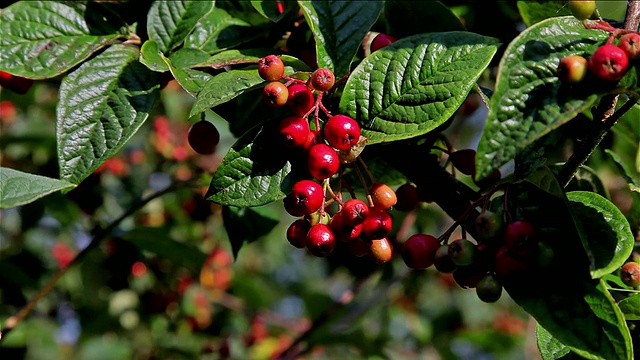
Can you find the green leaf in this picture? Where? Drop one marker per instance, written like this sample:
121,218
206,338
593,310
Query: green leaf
43,39
19,188
248,56
628,172
338,28
631,307
218,31
170,22
270,9
625,150
187,58
150,57
252,173
236,220
533,11
529,100
606,234
192,81
414,85
407,17
224,87
550,348
101,105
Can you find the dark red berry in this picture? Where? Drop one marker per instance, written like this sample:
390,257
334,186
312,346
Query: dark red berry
462,252
203,137
381,250
419,251
469,276
17,84
407,196
342,132
377,224
354,212
383,196
609,63
305,198
322,79
520,238
509,268
297,233
630,44
572,69
582,9
271,68
342,231
275,94
359,247
442,261
464,160
630,274
323,161
489,289
300,99
320,240
382,40
293,131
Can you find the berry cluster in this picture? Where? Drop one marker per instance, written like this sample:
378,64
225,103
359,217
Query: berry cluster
609,62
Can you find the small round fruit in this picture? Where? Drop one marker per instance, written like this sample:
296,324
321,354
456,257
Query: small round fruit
354,212
17,84
419,251
572,69
510,269
322,79
323,161
297,233
342,132
442,261
203,137
630,274
271,68
462,252
582,9
464,160
468,276
293,131
407,197
359,247
383,196
300,100
382,40
342,231
489,289
381,250
320,240
609,63
275,94
488,225
520,238
305,198
630,44
318,217
377,224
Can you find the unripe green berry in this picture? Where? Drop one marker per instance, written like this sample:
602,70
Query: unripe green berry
489,289
462,252
582,9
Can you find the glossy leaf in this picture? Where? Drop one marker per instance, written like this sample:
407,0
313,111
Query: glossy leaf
218,31
631,307
19,188
339,28
224,87
43,39
192,81
529,100
236,220
252,173
407,17
151,58
533,11
101,105
414,85
170,22
248,56
606,234
271,9
550,348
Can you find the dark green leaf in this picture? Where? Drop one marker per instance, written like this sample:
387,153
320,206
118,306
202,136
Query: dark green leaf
529,100
631,307
252,173
248,56
224,87
415,84
606,234
407,17
192,81
43,39
218,31
19,188
186,57
236,220
625,150
628,172
271,8
170,22
339,28
101,105
533,11
150,57
550,348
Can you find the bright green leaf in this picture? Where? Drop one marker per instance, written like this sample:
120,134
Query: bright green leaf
192,81
533,11
101,105
414,85
19,188
631,307
408,17
550,348
529,100
606,234
43,39
224,87
150,57
236,220
187,57
339,28
170,22
270,9
248,56
218,31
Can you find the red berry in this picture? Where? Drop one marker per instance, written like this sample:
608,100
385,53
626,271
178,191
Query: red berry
489,289
271,68
322,79
323,161
630,44
630,274
381,250
313,138
383,196
464,160
293,131
469,276
297,233
419,251
407,195
354,212
382,40
462,252
359,247
275,94
203,137
342,132
17,84
342,231
520,238
300,99
305,198
508,268
572,69
377,224
582,9
320,240
609,63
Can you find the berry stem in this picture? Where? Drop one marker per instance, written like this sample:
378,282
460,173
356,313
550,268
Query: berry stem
292,80
366,168
361,177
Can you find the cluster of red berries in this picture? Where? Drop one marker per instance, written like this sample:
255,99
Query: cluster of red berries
609,62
